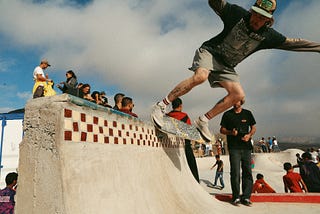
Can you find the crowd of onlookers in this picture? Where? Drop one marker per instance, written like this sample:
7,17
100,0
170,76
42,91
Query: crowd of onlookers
71,86
44,87
269,145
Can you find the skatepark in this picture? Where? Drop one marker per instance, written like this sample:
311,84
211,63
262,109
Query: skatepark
77,157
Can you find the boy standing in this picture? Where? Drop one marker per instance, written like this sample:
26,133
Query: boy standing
7,194
219,172
292,180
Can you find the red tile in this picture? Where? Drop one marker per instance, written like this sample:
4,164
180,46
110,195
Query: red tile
95,138
124,141
106,139
105,123
67,135
116,140
138,142
68,113
83,117
136,128
89,128
130,127
131,141
127,133
122,126
95,120
119,133
100,130
110,132
83,136
114,124
75,126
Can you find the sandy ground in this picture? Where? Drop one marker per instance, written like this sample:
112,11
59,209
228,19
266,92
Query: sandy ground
268,164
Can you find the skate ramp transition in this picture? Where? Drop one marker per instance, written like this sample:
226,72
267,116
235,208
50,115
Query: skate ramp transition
78,157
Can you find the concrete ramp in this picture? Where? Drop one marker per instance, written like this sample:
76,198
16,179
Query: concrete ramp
77,157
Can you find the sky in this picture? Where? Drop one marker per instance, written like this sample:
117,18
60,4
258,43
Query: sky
143,48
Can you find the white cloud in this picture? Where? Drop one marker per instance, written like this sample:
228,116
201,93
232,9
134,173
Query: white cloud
127,44
24,95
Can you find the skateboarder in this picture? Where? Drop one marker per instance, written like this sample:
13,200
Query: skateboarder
244,33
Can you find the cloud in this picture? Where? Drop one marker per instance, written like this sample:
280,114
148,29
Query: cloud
145,47
24,95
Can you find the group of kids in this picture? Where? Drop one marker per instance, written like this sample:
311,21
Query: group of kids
308,180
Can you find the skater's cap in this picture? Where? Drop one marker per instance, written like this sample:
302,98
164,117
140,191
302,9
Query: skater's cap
44,61
265,7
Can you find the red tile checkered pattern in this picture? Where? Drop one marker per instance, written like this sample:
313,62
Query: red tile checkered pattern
82,127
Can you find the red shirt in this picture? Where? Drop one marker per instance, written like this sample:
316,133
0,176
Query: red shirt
179,115
260,186
292,181
128,112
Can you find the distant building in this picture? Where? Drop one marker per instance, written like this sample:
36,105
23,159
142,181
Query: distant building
11,133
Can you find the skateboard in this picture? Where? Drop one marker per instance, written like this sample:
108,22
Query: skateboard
180,129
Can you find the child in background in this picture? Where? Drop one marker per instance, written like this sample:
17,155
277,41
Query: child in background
292,180
219,172
260,186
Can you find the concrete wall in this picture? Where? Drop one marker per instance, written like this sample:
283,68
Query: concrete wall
89,159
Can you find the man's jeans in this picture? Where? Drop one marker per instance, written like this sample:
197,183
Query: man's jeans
240,157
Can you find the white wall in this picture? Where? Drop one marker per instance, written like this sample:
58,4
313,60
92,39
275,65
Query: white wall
12,136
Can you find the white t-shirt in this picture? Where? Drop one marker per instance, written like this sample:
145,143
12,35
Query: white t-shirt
38,70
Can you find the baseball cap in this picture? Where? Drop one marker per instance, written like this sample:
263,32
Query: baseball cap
44,61
265,7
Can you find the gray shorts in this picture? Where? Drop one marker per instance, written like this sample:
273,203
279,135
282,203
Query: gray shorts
218,71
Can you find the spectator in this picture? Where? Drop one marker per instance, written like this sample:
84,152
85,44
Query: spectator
310,173
70,84
270,144
127,106
275,144
219,172
239,126
84,92
40,79
261,186
299,161
117,101
314,155
104,99
293,181
7,194
223,150
96,97
262,144
182,116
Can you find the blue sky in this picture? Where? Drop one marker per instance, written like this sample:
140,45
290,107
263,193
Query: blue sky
144,47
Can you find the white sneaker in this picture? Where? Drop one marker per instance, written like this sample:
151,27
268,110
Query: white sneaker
203,128
157,113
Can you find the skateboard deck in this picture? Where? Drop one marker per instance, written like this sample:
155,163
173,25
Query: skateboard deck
180,129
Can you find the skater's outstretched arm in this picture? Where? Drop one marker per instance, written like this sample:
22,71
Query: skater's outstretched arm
296,44
217,6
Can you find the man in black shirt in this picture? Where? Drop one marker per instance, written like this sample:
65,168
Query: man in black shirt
239,126
244,33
